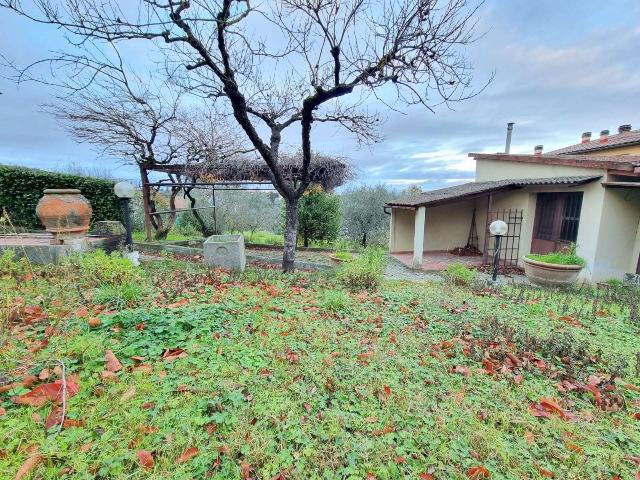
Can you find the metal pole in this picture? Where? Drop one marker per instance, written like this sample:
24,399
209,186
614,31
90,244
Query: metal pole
215,218
127,222
507,146
496,257
146,194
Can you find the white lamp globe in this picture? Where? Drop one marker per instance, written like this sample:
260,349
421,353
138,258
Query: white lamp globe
124,190
498,228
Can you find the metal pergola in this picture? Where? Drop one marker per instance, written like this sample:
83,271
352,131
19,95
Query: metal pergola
189,184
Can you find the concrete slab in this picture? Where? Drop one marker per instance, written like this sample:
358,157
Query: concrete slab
37,247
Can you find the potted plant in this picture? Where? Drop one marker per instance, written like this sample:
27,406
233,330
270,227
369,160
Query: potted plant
556,269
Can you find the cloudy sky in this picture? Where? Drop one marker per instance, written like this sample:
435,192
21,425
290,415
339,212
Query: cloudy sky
561,68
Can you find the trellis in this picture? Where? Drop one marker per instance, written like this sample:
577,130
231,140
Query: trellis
510,245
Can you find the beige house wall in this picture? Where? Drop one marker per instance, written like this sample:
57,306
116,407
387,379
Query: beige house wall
617,240
402,228
628,150
498,170
447,226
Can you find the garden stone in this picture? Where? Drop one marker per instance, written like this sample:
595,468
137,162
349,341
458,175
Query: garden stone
225,251
108,228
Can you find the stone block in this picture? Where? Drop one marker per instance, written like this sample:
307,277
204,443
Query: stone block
108,228
225,251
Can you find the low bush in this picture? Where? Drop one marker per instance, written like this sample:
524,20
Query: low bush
104,269
365,271
335,300
119,296
459,274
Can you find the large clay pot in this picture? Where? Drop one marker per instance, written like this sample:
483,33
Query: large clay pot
550,274
65,213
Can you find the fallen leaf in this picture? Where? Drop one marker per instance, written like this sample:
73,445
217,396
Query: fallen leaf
82,312
29,464
188,454
426,476
171,355
94,322
128,395
47,392
573,447
112,364
179,303
245,470
529,437
54,418
3,411
478,472
462,370
145,459
546,473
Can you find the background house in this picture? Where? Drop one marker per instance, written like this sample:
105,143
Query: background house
585,193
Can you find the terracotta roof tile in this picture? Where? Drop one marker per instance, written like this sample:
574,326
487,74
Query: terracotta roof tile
613,141
471,189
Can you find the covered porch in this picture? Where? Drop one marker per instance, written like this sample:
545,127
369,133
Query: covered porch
428,228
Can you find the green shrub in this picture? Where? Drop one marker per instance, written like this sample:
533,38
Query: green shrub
365,271
459,274
344,256
103,269
318,216
118,296
21,189
564,257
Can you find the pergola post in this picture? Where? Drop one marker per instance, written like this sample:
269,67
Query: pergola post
418,236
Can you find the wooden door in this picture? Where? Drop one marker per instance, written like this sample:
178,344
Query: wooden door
556,222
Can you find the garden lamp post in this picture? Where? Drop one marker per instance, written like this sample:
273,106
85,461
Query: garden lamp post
498,229
124,191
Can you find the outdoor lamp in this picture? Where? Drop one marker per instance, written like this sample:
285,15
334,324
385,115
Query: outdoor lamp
125,191
498,228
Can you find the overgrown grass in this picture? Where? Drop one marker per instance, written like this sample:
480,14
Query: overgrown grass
269,375
564,257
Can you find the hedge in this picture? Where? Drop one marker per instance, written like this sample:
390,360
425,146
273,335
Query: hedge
21,189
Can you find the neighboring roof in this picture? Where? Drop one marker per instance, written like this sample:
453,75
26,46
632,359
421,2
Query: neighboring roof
613,141
612,162
473,189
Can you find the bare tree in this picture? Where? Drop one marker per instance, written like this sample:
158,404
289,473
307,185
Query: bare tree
287,63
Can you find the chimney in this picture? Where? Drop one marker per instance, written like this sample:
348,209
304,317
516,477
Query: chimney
604,136
586,137
624,128
538,150
507,146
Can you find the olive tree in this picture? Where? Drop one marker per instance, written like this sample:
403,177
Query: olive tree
364,220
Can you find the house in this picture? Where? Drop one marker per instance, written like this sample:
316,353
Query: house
587,194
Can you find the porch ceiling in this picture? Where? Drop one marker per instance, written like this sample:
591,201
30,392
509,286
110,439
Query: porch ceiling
471,190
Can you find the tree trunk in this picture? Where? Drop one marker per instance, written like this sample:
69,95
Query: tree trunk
306,241
290,235
206,231
364,239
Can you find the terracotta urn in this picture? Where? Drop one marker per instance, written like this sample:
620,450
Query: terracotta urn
550,274
65,213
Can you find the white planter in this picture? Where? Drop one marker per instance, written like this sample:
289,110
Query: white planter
225,251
